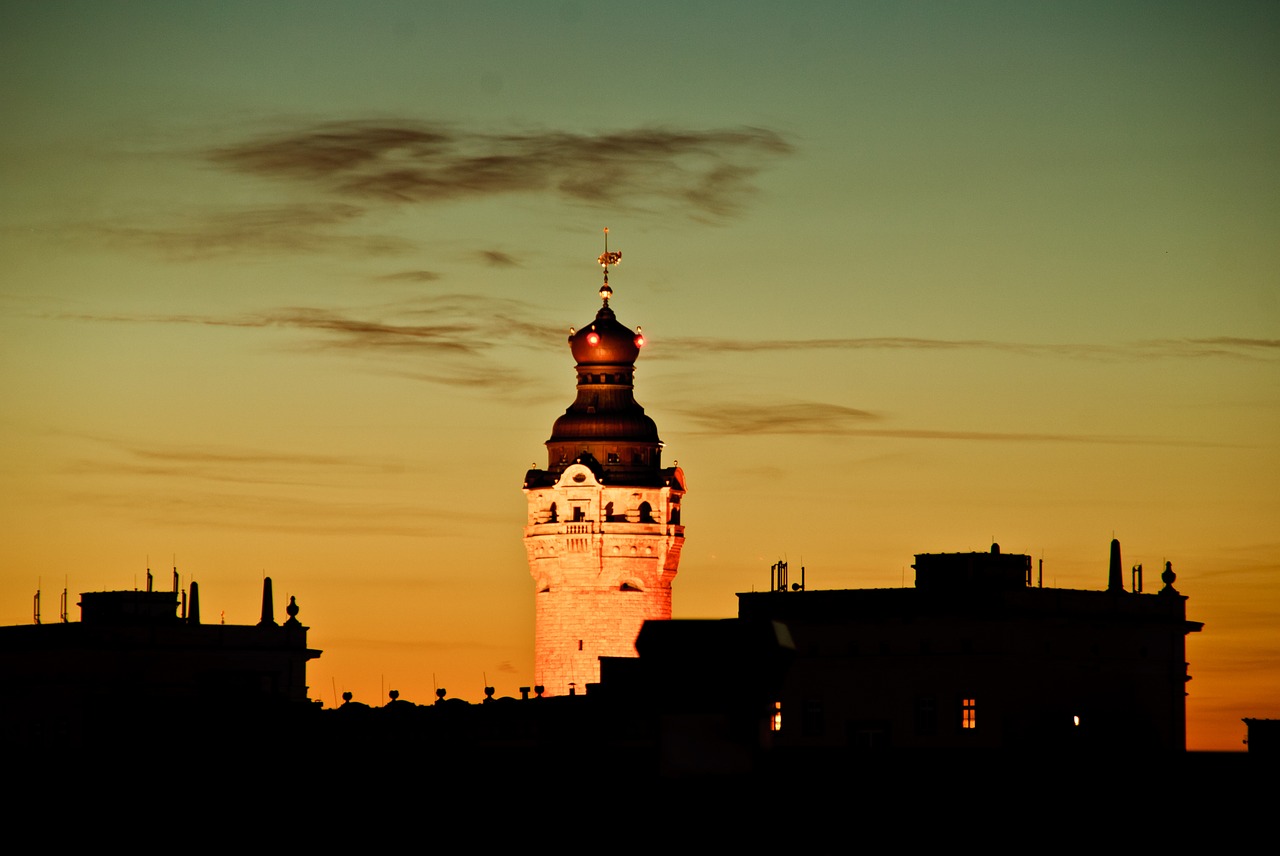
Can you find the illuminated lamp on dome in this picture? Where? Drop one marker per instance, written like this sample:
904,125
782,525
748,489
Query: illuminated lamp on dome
639,338
593,338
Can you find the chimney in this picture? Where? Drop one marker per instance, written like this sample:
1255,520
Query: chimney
1115,578
268,607
193,608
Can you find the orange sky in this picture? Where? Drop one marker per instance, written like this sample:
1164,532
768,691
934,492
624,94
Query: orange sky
285,291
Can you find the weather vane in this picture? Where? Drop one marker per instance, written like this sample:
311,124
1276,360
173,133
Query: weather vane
606,259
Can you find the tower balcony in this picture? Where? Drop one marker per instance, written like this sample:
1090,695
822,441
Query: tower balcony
592,527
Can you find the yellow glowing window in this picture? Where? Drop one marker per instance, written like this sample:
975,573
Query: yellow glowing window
969,713
775,721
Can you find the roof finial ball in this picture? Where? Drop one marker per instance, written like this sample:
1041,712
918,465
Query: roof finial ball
606,260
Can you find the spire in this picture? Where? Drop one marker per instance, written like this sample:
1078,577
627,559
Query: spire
606,260
1115,578
268,608
605,425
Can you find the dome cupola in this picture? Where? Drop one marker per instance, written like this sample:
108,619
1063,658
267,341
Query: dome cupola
605,423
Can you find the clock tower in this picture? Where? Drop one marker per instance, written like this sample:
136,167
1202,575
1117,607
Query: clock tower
603,533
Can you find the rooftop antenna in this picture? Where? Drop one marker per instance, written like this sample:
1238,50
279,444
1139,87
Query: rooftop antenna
608,259
175,573
35,607
778,576
149,577
1040,575
65,586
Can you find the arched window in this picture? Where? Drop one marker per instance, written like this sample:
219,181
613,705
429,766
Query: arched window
646,513
552,511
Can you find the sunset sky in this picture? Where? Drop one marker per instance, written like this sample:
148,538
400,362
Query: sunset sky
285,291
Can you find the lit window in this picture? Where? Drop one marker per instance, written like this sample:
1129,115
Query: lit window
775,721
969,714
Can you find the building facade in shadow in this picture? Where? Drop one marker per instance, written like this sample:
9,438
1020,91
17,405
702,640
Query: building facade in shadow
976,656
138,663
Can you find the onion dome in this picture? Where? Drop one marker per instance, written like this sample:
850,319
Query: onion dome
605,424
605,341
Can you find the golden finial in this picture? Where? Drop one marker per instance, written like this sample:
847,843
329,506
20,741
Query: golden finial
606,259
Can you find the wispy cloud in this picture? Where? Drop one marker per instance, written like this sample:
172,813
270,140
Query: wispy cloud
460,324
763,418
455,334
409,276
818,418
1239,348
497,258
704,173
227,464
299,228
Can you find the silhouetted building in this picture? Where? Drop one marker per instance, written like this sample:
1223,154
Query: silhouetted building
975,656
603,534
134,662
1263,738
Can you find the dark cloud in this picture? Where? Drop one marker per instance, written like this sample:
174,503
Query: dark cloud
1215,347
458,324
497,258
705,173
453,333
799,418
301,228
810,418
224,464
1219,346
409,276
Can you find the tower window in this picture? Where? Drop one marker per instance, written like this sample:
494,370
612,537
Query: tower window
579,644
969,713
613,457
775,721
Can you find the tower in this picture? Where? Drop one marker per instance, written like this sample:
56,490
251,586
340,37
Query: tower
603,533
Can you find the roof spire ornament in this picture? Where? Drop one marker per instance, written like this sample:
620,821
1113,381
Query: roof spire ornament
606,259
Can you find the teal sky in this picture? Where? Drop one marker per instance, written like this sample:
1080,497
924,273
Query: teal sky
285,286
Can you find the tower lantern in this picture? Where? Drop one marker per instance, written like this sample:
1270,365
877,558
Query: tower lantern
603,534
